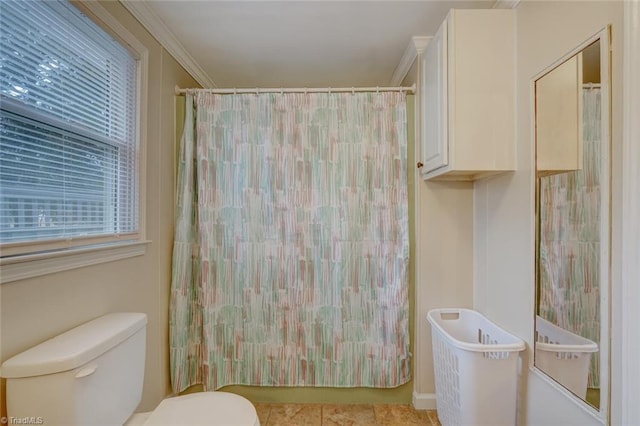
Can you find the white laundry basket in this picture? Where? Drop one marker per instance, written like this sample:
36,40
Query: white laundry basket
476,368
563,355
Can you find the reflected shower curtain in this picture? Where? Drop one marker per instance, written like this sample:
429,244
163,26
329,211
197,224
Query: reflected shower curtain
290,263
570,239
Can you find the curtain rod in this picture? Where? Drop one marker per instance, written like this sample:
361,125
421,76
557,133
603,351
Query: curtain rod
410,89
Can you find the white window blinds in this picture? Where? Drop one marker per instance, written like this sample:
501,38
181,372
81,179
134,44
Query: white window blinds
68,136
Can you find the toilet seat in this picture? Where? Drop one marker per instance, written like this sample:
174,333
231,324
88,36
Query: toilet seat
205,408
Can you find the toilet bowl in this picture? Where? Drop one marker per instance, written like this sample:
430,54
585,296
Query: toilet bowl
202,408
93,375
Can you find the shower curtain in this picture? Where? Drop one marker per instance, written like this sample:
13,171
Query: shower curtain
570,239
291,244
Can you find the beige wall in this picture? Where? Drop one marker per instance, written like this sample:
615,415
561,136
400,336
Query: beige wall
443,256
34,310
504,205
444,259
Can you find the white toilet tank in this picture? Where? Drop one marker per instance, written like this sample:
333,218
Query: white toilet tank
90,375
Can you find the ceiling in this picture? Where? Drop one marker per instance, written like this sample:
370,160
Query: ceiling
293,43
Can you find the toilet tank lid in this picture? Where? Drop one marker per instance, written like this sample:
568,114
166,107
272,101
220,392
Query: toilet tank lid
75,347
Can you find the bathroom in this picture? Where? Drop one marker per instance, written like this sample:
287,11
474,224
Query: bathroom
474,242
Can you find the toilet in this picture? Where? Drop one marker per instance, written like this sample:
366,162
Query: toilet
93,375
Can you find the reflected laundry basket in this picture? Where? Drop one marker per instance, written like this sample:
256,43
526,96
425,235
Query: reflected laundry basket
564,356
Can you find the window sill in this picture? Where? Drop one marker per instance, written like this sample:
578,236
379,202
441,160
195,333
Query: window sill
35,265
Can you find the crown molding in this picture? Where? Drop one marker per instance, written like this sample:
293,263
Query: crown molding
416,46
159,30
505,4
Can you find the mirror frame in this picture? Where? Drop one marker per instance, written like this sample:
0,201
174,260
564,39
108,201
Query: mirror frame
604,36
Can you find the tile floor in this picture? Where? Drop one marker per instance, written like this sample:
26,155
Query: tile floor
272,414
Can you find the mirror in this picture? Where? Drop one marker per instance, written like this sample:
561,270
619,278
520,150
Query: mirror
572,221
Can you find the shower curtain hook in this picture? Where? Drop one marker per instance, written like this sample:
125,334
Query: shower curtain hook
281,91
235,90
305,90
353,90
378,89
329,90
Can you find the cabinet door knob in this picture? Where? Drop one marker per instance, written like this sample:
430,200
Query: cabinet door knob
419,164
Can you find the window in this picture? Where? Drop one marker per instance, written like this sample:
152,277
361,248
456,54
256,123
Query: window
68,131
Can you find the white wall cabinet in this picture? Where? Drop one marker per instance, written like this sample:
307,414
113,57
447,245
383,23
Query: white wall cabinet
559,118
467,90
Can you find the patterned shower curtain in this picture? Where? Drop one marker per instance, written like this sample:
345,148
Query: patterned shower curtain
290,263
570,239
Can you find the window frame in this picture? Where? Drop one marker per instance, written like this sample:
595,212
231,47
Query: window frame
44,257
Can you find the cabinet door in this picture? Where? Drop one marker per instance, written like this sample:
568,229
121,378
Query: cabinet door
559,119
435,146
